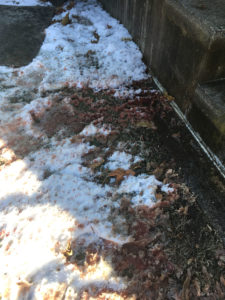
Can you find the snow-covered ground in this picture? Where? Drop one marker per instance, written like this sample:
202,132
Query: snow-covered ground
24,2
48,199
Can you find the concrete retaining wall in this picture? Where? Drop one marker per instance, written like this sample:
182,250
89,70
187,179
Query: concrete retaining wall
183,43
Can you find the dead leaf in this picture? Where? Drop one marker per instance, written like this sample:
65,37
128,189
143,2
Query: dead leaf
158,172
186,286
137,165
126,39
97,37
66,20
198,287
168,97
159,196
146,124
222,280
68,252
24,283
120,174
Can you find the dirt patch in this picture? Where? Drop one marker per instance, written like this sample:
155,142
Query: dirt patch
176,253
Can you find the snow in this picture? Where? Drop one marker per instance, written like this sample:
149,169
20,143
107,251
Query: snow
38,212
121,160
143,187
49,197
91,129
166,189
72,56
24,2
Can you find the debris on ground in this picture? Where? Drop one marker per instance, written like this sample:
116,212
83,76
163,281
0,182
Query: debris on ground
94,203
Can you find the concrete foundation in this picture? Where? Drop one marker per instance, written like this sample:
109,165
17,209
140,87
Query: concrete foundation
183,43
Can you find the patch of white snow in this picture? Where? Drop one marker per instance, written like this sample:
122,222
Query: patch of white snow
121,160
25,2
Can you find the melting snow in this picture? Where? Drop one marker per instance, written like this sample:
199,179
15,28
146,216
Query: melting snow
93,50
24,2
121,160
44,198
93,130
143,187
49,197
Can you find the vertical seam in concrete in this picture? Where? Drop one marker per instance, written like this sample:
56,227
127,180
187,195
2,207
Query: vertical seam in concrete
126,11
144,23
134,10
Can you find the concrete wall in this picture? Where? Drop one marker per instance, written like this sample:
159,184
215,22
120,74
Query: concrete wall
180,48
183,43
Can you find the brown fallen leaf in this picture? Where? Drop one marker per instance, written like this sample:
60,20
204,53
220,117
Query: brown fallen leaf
146,124
168,97
120,174
159,196
97,37
126,39
24,283
158,172
197,287
68,251
186,286
222,280
66,20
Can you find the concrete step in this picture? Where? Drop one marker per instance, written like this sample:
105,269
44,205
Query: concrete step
208,115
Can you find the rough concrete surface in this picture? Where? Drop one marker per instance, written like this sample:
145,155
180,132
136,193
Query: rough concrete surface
22,33
208,115
181,38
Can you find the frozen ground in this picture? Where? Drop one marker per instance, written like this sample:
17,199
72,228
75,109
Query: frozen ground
51,206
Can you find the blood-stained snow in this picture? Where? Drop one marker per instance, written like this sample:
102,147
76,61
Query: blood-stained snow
48,197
